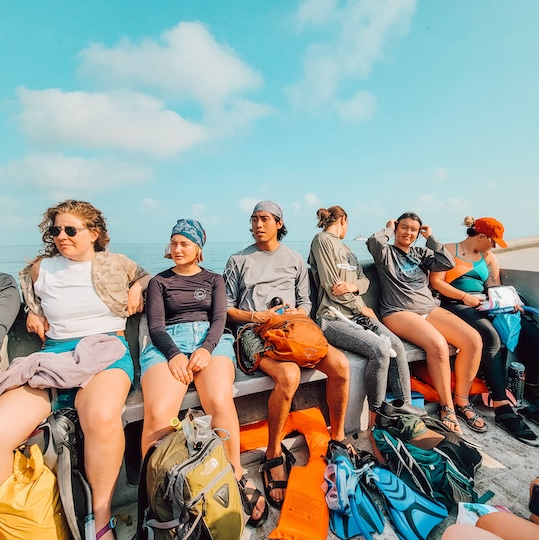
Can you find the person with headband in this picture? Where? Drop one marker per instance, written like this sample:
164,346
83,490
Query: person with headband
462,290
78,289
254,277
186,310
341,282
408,308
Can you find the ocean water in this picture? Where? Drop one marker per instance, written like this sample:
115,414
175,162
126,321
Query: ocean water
150,256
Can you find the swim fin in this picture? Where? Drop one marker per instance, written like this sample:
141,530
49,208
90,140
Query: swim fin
352,510
412,514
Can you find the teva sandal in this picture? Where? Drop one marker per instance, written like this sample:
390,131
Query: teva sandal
110,526
530,413
286,459
249,499
471,421
511,422
453,425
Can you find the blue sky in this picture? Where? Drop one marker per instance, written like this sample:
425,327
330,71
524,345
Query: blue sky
199,108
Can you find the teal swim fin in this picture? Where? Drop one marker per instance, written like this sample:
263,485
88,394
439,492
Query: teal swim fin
352,510
412,514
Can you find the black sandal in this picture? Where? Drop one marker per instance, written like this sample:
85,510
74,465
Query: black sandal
286,459
512,422
530,413
461,411
249,498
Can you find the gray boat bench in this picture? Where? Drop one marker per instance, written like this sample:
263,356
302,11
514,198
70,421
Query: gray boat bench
251,392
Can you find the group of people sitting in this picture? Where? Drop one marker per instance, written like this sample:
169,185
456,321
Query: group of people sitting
77,288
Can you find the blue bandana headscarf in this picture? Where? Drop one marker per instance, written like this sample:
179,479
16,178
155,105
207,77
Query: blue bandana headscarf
192,229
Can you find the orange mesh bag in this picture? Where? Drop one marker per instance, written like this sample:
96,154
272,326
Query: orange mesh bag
293,338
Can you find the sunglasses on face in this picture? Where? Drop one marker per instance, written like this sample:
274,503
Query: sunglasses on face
70,231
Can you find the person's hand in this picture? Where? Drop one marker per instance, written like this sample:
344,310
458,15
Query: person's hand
199,360
391,224
369,312
135,301
342,287
178,366
425,231
36,324
471,301
519,308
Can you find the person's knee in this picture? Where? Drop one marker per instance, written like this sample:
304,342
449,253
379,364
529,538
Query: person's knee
437,350
100,422
288,379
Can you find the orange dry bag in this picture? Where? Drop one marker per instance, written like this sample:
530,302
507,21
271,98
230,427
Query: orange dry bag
293,338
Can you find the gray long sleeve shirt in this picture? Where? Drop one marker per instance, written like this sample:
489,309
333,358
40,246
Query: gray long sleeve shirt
333,261
404,280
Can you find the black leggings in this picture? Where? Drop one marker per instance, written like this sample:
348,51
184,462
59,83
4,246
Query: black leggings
493,358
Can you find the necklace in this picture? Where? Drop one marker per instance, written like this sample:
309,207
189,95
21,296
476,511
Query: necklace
464,252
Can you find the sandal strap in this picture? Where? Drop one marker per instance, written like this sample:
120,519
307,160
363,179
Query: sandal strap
270,464
108,527
249,495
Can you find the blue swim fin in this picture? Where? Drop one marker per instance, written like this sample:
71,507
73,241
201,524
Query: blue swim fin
412,514
355,513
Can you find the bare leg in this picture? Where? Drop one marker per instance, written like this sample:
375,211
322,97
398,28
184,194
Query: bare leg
468,341
99,405
214,386
417,330
163,396
508,526
21,410
337,368
286,376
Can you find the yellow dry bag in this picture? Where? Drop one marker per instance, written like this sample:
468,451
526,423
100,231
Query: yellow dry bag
30,507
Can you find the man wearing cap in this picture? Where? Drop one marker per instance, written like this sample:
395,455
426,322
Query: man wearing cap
463,288
253,277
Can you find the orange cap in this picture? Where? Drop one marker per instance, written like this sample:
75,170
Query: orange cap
492,228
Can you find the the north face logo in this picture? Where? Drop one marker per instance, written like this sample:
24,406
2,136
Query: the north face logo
209,467
222,496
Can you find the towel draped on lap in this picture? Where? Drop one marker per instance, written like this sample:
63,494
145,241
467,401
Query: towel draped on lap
65,370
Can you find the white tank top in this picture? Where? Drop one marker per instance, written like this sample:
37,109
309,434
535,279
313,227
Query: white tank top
70,302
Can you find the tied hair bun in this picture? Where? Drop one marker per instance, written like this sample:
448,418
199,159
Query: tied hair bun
468,222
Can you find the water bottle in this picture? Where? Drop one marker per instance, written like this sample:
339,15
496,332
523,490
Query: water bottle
516,375
277,301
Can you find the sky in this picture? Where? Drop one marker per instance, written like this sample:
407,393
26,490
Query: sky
157,110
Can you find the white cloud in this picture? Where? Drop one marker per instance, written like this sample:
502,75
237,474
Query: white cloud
312,200
186,63
359,32
151,206
358,109
247,204
440,174
61,176
198,210
125,120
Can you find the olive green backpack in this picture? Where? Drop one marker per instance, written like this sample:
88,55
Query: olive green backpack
183,496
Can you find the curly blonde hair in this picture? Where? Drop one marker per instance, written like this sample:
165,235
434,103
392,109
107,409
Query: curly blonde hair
91,217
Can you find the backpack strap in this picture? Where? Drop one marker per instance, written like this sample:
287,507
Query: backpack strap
143,502
60,437
407,461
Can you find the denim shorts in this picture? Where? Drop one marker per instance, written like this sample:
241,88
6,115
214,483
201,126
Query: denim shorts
66,397
188,337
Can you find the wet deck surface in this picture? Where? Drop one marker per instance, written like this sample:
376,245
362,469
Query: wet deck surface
507,469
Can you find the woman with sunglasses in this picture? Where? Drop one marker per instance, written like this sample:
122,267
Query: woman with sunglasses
463,289
408,309
186,309
77,289
341,282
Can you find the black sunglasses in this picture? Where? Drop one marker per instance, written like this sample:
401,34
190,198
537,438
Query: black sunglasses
70,231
